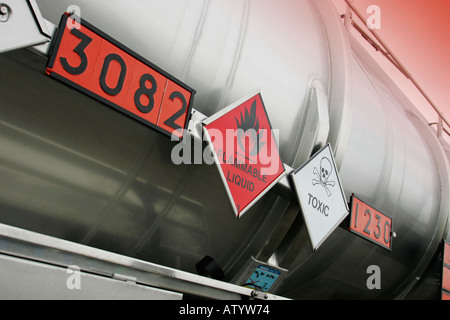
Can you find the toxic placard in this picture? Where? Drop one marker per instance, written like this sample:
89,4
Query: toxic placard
320,195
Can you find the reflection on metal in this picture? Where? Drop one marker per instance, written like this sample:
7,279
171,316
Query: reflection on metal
315,124
39,255
25,279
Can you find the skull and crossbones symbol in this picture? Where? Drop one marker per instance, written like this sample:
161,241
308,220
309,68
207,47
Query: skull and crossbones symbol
323,174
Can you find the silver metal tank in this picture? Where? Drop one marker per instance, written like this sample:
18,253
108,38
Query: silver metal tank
75,169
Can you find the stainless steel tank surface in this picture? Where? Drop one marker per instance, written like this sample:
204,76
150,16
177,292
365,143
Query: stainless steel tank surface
75,169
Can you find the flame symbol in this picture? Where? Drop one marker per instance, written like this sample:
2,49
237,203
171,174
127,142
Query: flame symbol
249,126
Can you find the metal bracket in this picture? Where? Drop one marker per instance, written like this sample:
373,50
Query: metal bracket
44,49
260,295
122,277
315,125
22,25
195,126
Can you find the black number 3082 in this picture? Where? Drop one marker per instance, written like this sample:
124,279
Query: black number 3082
148,91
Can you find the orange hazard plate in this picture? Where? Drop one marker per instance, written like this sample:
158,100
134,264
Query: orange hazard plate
92,62
370,223
447,253
446,278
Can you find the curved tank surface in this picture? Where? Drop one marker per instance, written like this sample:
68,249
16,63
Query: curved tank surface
75,169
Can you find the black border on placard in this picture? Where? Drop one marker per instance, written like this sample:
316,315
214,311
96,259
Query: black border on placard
445,291
442,280
298,190
54,51
364,236
446,243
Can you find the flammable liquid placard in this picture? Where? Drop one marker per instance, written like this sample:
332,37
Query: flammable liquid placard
246,151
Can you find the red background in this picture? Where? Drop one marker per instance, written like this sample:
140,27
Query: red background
418,33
